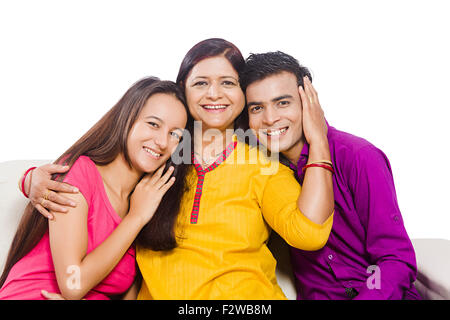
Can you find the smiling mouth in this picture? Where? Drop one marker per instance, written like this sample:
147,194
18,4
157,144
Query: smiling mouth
152,153
276,132
214,107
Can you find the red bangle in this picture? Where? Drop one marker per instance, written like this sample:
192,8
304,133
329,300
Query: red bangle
23,181
325,166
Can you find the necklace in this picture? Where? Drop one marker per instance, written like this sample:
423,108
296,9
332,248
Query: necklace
208,160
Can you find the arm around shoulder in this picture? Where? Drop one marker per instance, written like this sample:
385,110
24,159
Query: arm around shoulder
280,210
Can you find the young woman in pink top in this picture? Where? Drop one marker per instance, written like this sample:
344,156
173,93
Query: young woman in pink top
119,167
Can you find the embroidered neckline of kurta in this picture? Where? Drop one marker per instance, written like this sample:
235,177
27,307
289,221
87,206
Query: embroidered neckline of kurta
201,172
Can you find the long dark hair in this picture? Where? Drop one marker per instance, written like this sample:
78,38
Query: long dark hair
102,144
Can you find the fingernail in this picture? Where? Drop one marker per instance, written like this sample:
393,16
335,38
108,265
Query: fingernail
44,292
64,209
75,190
50,217
73,204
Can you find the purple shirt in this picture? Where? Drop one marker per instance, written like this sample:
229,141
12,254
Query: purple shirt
368,254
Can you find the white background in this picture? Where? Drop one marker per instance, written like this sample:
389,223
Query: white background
381,69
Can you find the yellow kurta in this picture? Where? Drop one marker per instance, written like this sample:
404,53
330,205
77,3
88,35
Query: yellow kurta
222,251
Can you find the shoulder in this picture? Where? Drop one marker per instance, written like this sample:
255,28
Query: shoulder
84,175
351,148
83,164
352,154
346,142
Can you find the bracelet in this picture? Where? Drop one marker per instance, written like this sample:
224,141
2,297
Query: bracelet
23,181
325,166
321,161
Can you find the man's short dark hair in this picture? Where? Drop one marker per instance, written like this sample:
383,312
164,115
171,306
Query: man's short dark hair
259,66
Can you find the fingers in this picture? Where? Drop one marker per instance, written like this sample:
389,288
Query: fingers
53,202
55,168
157,174
305,99
309,95
167,185
53,206
62,187
43,211
163,180
43,191
310,91
157,181
60,200
314,124
51,296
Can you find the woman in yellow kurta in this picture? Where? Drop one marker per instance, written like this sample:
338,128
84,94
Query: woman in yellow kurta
227,215
222,252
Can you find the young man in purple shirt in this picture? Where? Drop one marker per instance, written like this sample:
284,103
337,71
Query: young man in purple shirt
369,254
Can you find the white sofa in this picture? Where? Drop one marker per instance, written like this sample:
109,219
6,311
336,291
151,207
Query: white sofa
433,255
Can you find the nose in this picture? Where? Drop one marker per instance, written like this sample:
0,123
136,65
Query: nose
214,91
270,116
162,140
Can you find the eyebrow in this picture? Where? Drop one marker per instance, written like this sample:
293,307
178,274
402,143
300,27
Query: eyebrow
285,96
154,117
223,77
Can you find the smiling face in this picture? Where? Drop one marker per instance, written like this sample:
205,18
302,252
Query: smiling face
213,93
156,132
275,113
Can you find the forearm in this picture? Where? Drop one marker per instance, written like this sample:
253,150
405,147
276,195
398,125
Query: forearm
96,265
280,210
316,201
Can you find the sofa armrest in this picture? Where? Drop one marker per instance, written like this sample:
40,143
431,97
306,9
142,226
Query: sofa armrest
433,268
12,201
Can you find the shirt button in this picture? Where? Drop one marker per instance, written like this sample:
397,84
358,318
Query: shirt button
330,257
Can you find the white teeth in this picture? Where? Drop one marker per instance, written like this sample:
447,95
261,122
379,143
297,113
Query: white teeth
152,152
210,107
275,132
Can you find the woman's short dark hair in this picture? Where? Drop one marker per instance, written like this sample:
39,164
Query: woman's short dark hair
207,49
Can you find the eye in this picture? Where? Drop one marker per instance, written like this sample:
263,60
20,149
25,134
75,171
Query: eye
255,109
175,135
153,124
283,103
199,83
228,83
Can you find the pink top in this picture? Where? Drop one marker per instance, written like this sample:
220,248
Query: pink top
35,271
